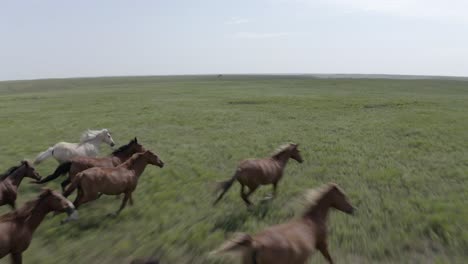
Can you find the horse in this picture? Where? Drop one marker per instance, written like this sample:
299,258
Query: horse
255,172
93,182
11,181
17,227
295,241
88,146
81,163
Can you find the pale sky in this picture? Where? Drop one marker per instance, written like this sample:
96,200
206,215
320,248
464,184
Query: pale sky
56,38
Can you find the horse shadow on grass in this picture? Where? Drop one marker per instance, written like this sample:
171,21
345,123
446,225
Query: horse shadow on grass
236,219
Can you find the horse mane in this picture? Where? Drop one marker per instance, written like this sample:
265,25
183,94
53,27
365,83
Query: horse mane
91,134
23,213
281,149
123,148
132,159
314,196
8,172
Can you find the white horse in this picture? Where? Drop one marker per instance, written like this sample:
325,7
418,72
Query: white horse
88,146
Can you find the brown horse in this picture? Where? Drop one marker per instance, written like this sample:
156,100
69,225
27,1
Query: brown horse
82,163
111,181
11,181
255,172
295,241
17,227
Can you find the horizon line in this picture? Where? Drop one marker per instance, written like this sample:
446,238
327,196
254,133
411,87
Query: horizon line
316,75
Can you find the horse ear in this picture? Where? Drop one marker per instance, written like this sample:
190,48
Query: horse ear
135,140
25,162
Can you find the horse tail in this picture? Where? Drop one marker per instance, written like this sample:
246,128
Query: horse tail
224,186
44,155
62,169
239,243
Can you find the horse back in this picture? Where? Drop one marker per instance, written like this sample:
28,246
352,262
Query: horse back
292,242
107,180
89,162
260,171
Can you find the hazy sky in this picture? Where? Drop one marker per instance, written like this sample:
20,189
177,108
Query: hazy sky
45,38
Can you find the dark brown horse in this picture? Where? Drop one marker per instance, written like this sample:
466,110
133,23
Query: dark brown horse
82,163
111,181
255,172
17,227
295,241
11,181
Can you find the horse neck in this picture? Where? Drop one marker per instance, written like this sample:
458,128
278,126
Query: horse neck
120,157
95,142
138,165
38,214
319,211
16,177
282,158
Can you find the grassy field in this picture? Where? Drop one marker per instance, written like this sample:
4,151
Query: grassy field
399,148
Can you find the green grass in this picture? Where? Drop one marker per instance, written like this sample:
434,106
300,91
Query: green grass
397,147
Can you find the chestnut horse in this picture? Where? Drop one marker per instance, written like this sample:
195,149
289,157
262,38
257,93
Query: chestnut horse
255,172
17,227
295,241
93,182
11,181
81,163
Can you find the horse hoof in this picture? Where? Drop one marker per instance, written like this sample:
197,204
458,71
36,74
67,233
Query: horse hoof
112,215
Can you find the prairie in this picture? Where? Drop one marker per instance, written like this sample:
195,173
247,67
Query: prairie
399,148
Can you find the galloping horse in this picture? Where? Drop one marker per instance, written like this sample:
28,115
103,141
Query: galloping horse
295,241
88,146
81,163
93,182
11,181
255,172
17,227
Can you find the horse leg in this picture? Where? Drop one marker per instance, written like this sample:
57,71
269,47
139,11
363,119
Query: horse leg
65,183
124,202
323,248
16,258
78,199
275,185
84,197
245,196
13,205
273,193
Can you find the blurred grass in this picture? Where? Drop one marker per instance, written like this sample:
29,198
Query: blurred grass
397,147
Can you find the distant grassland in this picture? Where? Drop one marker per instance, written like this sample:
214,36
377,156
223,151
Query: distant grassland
399,148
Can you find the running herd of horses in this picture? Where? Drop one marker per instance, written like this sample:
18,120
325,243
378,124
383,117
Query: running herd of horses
91,176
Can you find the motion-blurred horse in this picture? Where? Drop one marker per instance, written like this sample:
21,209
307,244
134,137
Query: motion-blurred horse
17,227
93,182
81,163
295,241
88,146
255,172
11,180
